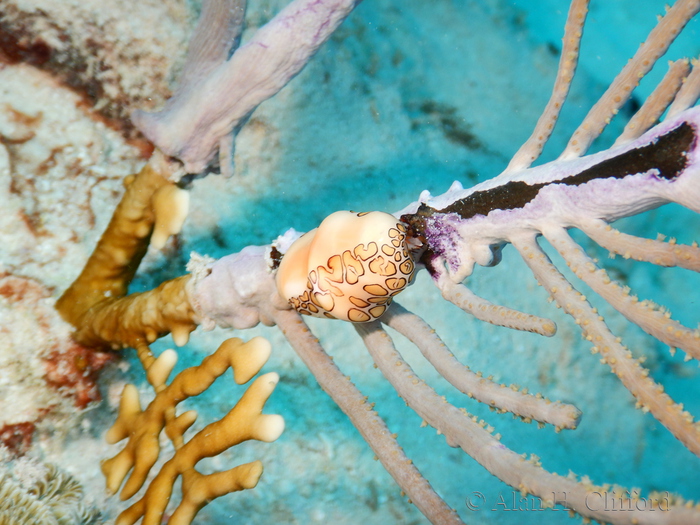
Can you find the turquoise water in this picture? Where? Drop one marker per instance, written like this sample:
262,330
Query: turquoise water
409,96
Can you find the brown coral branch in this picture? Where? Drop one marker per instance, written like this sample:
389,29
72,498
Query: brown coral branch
114,262
140,317
94,304
242,423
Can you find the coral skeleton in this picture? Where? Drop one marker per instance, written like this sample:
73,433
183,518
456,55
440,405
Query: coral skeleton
355,264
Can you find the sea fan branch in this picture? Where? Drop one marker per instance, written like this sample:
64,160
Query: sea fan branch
507,399
656,103
192,126
650,395
630,247
688,94
472,437
655,321
568,60
621,88
483,310
364,418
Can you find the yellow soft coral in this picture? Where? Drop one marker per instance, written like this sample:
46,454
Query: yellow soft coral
152,208
143,427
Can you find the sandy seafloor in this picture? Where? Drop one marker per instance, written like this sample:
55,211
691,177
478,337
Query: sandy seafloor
408,95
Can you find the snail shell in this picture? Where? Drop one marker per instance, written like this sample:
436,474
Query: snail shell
349,268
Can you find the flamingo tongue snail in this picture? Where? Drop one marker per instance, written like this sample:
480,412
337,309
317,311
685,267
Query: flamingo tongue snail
348,268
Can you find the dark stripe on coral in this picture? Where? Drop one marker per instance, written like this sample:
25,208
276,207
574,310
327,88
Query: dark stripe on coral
667,155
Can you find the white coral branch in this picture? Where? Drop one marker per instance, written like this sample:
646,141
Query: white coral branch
199,119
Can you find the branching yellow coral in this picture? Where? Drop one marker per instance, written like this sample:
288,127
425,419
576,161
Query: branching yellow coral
152,208
97,304
143,427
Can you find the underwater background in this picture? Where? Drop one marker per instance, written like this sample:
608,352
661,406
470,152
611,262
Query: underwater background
406,96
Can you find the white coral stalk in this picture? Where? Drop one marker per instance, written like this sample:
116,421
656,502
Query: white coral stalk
217,95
